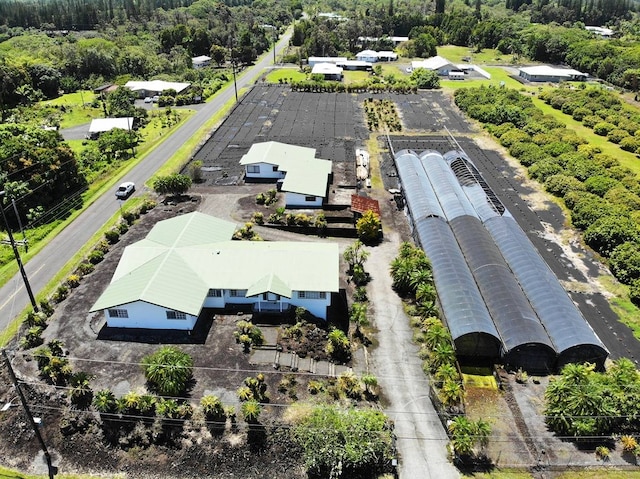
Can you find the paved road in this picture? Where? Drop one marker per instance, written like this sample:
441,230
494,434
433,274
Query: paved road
41,268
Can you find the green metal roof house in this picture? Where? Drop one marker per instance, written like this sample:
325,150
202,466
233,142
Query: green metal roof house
306,178
189,262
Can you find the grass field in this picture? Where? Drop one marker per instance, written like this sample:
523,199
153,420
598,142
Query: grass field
288,74
77,109
487,56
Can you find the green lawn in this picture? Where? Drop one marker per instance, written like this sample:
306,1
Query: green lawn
288,74
77,109
455,54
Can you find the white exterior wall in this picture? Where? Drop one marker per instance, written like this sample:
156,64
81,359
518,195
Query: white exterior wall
266,171
149,316
228,299
317,307
296,199
367,58
214,302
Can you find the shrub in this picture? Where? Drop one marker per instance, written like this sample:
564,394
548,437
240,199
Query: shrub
315,387
360,294
602,452
599,184
146,206
338,346
559,185
102,246
46,308
32,338
36,319
73,281
248,334
616,136
603,128
129,217
96,256
258,218
610,231
260,199
61,293
112,236
369,227
624,262
85,268
122,227
168,370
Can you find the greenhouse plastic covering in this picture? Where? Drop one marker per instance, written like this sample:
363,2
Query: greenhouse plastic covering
569,331
469,322
490,265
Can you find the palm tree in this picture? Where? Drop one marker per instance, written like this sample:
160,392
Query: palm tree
401,271
168,370
349,383
355,254
358,316
80,392
370,383
251,411
338,346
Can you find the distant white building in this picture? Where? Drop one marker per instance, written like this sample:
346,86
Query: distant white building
100,125
355,65
438,64
201,61
312,61
328,70
546,73
372,56
601,31
304,178
155,87
396,40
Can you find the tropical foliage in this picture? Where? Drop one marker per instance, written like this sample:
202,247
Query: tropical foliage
583,402
343,442
168,371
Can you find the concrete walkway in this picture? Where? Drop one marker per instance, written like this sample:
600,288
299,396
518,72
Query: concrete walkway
421,438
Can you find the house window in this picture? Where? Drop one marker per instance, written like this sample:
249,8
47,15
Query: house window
214,293
118,313
238,293
275,168
312,295
309,198
253,168
176,315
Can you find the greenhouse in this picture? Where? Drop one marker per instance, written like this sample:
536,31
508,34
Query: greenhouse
498,296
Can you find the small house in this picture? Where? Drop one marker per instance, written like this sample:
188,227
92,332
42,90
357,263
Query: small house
155,87
305,179
200,62
313,61
438,64
546,73
367,56
329,71
100,125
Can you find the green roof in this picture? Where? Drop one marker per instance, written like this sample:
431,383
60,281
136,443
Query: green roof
269,284
182,258
305,174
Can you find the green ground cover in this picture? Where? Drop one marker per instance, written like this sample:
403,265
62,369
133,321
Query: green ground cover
285,74
77,109
487,56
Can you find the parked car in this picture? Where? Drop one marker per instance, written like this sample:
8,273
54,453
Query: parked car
148,99
155,98
125,190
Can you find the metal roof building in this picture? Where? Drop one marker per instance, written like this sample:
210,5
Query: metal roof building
484,264
469,322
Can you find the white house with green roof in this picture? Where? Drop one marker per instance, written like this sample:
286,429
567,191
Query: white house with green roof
188,263
305,178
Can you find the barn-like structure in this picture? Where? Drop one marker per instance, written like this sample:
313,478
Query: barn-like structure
499,298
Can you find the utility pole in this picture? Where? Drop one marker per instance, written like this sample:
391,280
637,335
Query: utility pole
16,253
52,469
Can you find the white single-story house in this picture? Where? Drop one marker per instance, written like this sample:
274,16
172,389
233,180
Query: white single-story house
373,56
396,40
100,125
313,61
355,65
602,32
546,73
155,87
328,70
188,263
201,61
305,178
438,64
456,75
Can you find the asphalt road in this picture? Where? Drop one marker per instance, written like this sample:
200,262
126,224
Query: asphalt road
46,264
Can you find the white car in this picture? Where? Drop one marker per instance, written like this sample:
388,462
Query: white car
125,190
148,99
